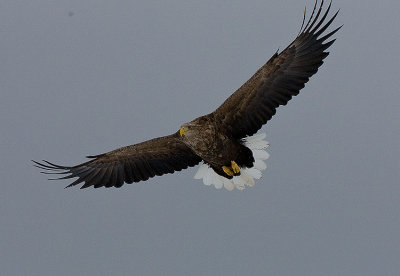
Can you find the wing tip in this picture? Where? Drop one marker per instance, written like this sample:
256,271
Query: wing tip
313,19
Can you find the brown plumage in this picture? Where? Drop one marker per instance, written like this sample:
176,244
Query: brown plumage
215,138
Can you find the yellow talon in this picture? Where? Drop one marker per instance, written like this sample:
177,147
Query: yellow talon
227,170
235,167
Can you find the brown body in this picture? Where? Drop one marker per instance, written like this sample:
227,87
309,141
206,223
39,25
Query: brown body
215,144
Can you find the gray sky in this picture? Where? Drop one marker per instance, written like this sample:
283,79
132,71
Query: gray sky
120,72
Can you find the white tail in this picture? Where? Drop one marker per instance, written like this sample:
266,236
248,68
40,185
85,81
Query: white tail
258,146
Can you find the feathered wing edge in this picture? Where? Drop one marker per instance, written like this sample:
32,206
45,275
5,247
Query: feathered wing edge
281,78
258,146
129,164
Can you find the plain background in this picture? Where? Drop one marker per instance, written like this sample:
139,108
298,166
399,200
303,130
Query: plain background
84,77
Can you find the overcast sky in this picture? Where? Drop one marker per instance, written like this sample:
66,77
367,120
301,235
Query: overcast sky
83,77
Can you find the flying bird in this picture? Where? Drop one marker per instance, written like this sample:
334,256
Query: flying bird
224,142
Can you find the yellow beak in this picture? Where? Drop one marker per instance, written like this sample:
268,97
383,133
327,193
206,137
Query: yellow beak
182,130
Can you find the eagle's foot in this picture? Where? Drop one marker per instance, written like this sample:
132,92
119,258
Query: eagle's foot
235,167
227,170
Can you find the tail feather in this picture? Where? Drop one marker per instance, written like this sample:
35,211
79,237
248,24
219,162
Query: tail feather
258,146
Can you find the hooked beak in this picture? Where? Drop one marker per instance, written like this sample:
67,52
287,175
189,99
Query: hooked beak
182,130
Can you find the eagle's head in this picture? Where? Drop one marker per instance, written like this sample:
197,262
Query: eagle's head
187,130
192,128
183,130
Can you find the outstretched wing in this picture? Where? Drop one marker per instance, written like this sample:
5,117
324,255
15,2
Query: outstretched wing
282,77
128,164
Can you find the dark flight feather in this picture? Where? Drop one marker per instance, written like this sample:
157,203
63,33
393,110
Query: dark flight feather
128,164
281,78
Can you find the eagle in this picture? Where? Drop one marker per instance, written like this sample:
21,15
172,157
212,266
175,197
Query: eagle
224,142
